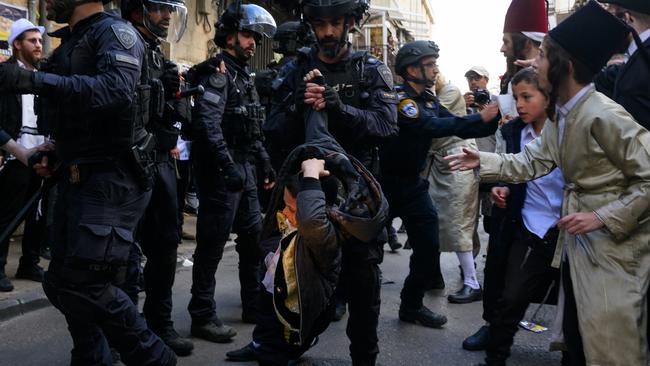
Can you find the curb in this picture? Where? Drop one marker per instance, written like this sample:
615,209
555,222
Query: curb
29,301
36,299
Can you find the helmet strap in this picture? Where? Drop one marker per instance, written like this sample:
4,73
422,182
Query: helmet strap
421,81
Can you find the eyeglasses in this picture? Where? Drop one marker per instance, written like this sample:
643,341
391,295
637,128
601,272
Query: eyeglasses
474,77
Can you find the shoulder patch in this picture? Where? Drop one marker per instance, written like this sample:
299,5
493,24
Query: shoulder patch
386,75
125,34
127,59
408,108
212,97
217,80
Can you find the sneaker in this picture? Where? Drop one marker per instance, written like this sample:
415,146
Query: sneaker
244,354
181,346
422,316
5,284
213,331
33,273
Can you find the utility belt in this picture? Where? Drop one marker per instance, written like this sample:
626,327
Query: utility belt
79,272
79,172
160,156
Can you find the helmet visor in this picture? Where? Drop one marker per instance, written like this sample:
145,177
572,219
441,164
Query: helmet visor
173,19
256,19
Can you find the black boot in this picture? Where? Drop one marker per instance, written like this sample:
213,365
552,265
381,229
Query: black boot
5,284
30,272
477,341
422,316
247,353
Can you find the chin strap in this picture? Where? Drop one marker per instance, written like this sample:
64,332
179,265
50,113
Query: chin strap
426,82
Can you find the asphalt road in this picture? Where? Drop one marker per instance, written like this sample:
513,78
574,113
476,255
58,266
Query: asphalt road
41,338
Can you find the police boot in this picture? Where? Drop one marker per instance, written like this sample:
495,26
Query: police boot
5,284
422,316
31,272
213,331
246,353
477,341
181,346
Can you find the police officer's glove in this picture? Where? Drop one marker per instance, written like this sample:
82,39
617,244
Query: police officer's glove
170,79
332,99
15,79
269,172
232,178
299,98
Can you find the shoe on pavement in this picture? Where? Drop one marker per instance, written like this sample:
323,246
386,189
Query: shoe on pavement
5,284
422,316
466,295
213,331
477,341
246,353
437,284
339,312
181,346
187,236
394,244
33,273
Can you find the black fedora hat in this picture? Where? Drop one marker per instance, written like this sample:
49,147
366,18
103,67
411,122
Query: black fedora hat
642,6
591,35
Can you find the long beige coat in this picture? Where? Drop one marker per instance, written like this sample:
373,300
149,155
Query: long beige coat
455,194
605,160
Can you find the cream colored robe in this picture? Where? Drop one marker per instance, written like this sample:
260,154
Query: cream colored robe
455,194
605,160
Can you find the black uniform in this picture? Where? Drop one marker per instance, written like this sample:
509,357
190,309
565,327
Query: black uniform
158,232
420,118
364,85
89,102
226,134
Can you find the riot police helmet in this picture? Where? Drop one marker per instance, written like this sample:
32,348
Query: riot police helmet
411,54
61,10
334,8
244,17
292,36
171,24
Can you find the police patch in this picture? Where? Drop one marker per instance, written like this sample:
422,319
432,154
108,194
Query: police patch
125,34
408,108
212,97
217,80
386,75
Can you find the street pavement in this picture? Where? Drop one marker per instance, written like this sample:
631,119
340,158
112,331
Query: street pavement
40,337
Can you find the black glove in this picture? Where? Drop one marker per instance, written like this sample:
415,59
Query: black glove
233,179
15,79
299,97
269,172
171,80
332,99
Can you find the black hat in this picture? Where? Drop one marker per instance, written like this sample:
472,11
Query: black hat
591,35
642,6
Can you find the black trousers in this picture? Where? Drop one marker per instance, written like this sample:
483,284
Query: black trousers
409,199
220,211
529,277
183,167
496,262
575,355
159,238
17,184
272,349
95,221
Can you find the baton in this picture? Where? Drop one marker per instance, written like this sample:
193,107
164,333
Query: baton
199,90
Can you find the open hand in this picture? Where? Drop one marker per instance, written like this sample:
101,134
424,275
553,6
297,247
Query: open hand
468,159
489,112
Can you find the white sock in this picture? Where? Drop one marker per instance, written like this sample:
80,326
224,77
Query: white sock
467,264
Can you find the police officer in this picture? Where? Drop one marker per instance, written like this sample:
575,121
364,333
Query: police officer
361,107
421,118
226,130
158,232
88,100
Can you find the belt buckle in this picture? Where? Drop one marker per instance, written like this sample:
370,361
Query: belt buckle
75,177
